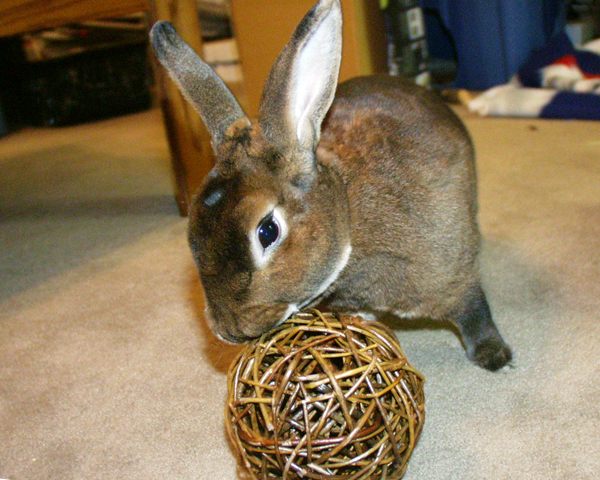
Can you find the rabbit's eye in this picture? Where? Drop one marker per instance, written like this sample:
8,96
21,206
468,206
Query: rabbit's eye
268,231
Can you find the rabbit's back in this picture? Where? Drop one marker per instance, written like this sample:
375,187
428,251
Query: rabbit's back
383,122
408,166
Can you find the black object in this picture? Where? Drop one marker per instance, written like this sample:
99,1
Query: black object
407,55
12,62
88,86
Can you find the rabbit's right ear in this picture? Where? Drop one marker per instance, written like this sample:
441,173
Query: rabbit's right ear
303,80
197,81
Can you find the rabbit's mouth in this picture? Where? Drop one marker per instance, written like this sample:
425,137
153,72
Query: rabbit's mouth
321,291
252,323
231,338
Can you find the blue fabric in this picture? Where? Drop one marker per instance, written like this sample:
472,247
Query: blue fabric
530,73
557,47
588,62
569,105
493,38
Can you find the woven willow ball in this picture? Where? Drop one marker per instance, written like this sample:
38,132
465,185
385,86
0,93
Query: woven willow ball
325,397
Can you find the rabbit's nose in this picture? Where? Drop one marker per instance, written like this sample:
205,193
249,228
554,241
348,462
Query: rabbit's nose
221,330
231,336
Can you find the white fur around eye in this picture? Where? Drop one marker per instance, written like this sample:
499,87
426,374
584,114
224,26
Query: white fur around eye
260,255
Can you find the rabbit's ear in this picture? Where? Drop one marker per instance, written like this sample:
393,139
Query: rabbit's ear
303,80
197,81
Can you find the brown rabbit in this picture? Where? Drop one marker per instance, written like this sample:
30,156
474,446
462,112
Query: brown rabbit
363,200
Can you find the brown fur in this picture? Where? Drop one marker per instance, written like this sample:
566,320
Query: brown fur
374,206
413,216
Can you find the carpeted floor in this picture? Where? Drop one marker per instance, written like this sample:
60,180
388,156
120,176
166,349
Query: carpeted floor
107,370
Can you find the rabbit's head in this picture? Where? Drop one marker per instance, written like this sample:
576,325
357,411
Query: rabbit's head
269,227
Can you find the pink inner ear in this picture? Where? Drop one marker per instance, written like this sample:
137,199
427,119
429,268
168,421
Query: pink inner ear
315,73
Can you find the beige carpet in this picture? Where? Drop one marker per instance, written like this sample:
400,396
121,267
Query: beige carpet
108,372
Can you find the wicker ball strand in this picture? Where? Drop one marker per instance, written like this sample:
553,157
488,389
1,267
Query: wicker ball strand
325,396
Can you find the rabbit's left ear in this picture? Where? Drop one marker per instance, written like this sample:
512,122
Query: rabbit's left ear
303,80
